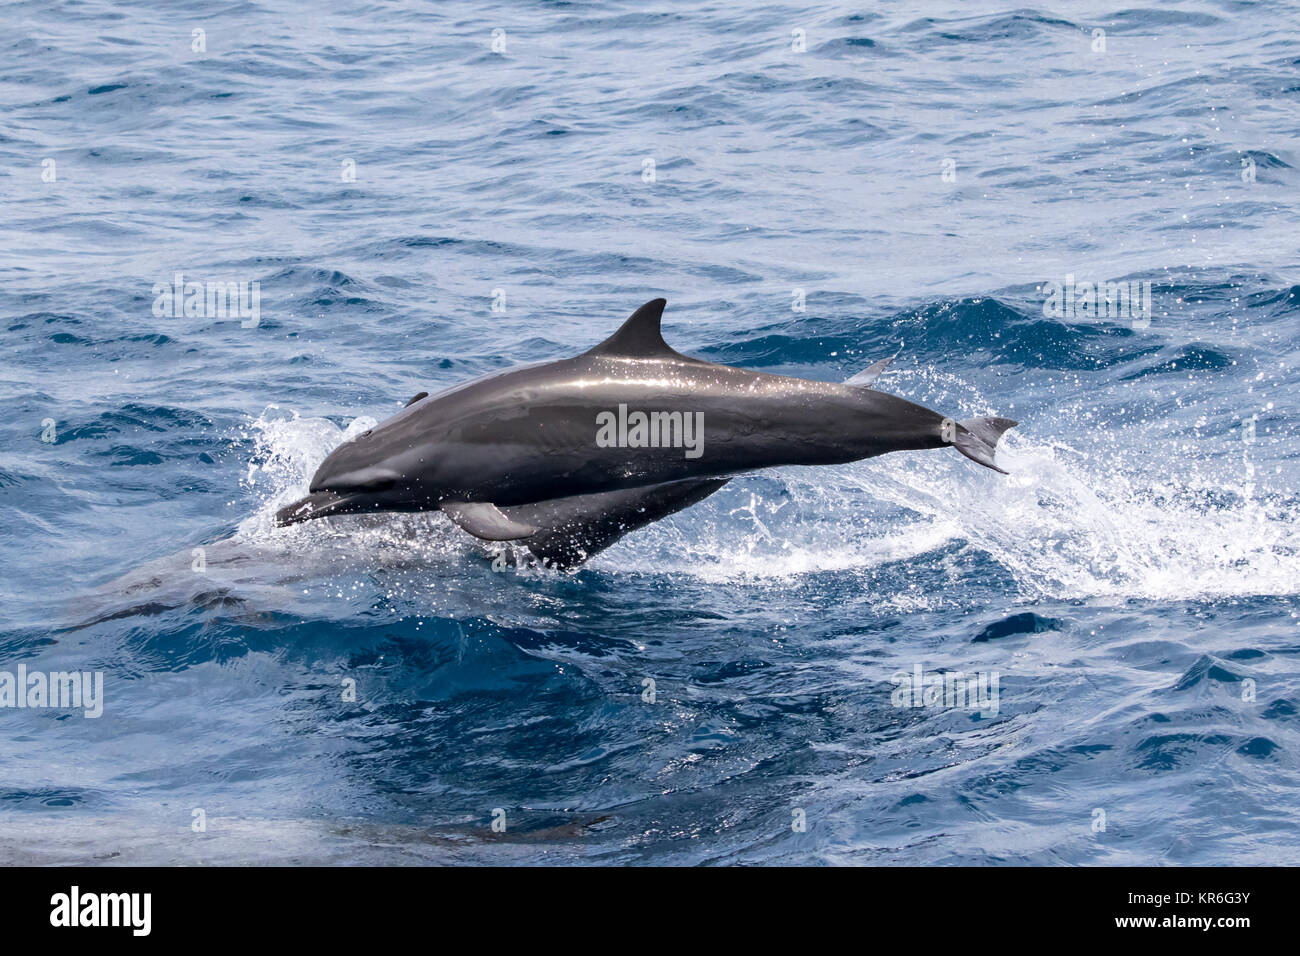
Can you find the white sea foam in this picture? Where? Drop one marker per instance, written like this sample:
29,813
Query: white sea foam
1065,526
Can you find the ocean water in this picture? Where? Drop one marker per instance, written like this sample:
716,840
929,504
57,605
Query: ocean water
418,208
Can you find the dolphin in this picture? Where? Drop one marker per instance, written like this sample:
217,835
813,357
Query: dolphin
565,457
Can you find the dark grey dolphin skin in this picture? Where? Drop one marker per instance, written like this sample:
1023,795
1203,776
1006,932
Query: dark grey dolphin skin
515,455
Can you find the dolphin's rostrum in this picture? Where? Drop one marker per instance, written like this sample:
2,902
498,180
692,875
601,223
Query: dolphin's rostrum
515,455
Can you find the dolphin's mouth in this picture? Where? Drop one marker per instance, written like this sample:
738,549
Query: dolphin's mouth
318,504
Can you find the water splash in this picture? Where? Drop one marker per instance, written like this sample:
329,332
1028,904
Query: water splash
287,450
1063,524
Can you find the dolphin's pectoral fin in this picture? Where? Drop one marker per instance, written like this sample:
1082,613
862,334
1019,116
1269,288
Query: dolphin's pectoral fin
867,377
977,439
485,520
639,337
571,530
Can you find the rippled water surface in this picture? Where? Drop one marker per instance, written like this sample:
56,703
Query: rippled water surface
1133,582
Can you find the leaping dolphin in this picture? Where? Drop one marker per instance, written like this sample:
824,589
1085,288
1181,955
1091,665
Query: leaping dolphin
566,457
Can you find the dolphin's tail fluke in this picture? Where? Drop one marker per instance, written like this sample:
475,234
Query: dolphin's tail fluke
977,439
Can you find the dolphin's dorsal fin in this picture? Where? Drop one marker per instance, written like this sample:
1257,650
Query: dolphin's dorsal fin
639,336
867,377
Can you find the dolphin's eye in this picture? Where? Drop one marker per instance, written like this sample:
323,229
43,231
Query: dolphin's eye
366,433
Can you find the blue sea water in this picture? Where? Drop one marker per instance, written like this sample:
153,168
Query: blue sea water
694,693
